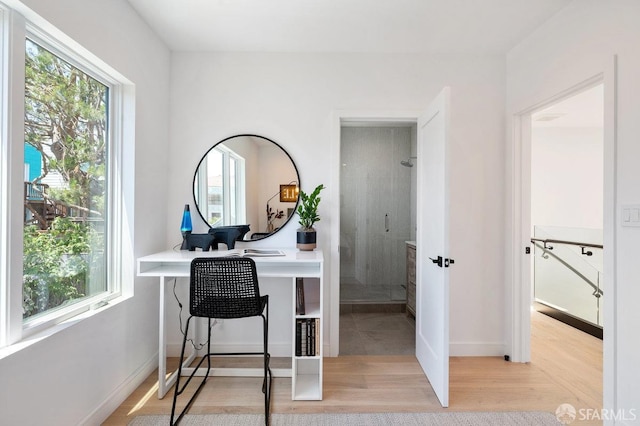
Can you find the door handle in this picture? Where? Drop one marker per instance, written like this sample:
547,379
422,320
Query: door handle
440,261
386,222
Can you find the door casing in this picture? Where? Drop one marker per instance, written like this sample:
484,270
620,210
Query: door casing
338,118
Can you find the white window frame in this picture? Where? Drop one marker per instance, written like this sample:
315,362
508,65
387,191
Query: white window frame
119,234
240,192
201,186
4,177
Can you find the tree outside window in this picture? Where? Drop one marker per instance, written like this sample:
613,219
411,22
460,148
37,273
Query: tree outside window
65,202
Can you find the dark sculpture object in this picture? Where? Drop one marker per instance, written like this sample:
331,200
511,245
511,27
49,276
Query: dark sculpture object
220,234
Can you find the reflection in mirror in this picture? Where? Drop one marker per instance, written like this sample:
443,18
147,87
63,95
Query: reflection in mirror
246,179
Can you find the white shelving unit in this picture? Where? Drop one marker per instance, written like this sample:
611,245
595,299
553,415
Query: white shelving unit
306,375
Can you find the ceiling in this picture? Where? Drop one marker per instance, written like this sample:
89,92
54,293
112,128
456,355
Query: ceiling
375,26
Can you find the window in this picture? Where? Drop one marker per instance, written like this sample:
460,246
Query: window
65,214
4,189
66,183
221,176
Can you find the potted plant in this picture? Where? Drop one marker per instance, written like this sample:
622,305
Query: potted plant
308,213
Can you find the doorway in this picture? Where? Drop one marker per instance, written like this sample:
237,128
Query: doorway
377,219
567,233
567,196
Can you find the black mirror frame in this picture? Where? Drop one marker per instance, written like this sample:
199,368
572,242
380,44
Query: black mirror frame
195,176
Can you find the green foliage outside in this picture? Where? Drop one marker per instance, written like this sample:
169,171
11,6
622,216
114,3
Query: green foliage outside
65,111
56,264
66,121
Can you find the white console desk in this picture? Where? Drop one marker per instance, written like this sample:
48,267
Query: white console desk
305,371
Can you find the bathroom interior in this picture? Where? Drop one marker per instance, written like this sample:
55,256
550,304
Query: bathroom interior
377,224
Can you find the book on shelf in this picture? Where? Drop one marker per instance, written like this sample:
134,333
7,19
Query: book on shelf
301,337
298,338
252,252
300,309
307,337
311,338
317,335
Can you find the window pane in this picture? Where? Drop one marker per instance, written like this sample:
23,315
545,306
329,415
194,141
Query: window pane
66,153
233,188
214,183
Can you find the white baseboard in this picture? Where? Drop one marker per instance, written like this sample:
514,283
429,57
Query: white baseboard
476,349
121,393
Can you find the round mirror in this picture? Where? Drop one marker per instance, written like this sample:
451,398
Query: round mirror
246,180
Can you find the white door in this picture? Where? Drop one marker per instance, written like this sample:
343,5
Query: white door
432,245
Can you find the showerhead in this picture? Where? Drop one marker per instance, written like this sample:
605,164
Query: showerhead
407,163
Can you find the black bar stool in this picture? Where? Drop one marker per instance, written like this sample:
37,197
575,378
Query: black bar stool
224,288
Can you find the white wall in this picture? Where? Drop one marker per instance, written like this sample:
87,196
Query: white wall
572,47
566,177
290,98
83,372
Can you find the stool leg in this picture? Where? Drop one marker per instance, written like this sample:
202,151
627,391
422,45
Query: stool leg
177,390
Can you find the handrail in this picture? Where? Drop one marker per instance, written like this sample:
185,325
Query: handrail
597,291
573,243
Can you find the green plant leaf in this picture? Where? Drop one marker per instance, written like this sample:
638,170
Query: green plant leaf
308,207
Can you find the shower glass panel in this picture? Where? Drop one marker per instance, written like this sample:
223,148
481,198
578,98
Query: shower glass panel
568,276
375,213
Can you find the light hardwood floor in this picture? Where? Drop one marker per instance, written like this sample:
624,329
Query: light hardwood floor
566,367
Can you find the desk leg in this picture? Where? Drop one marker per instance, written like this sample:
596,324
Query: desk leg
162,349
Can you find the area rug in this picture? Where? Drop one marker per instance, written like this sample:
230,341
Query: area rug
509,418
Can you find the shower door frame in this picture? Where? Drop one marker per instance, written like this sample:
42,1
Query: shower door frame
375,223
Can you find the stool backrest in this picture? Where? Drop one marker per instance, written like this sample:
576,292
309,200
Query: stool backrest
224,287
